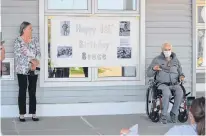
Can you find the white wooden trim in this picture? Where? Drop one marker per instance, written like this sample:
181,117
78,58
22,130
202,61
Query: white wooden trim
93,83
67,11
41,39
125,5
194,55
90,15
70,79
46,53
199,26
79,109
142,52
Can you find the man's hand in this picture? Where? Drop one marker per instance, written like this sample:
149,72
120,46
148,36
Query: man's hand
157,68
182,78
2,56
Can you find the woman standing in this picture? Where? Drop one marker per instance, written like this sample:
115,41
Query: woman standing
27,55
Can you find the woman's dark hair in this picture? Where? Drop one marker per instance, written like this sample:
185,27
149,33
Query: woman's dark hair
198,112
23,26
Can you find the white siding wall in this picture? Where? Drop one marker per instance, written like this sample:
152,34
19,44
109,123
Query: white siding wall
166,20
201,77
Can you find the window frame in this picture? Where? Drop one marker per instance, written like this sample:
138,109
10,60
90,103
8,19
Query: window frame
197,27
92,80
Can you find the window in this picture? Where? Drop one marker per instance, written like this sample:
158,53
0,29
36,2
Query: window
116,72
200,33
117,5
114,6
68,4
53,75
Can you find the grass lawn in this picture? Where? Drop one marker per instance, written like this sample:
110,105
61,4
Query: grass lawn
80,71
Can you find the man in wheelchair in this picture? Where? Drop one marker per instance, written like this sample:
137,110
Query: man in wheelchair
168,71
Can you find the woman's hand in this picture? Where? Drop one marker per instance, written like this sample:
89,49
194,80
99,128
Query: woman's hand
33,67
35,62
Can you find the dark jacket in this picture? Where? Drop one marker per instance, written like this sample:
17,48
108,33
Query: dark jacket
171,71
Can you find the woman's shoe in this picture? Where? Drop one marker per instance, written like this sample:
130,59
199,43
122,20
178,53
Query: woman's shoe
22,119
35,119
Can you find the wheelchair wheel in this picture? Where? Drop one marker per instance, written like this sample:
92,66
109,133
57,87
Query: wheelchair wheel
151,108
148,101
183,116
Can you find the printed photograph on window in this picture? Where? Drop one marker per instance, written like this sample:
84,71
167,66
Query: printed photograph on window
124,52
65,28
64,52
124,28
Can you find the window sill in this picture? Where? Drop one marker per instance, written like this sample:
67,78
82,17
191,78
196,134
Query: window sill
93,83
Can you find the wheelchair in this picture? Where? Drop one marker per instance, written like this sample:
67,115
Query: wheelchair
154,102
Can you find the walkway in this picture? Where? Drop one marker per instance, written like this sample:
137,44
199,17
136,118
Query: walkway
87,125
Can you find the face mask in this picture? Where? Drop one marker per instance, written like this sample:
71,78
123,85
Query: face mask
167,53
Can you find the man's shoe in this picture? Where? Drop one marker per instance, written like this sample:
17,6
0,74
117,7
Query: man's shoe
173,117
163,119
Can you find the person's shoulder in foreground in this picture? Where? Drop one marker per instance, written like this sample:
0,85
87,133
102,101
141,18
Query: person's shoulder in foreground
182,130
